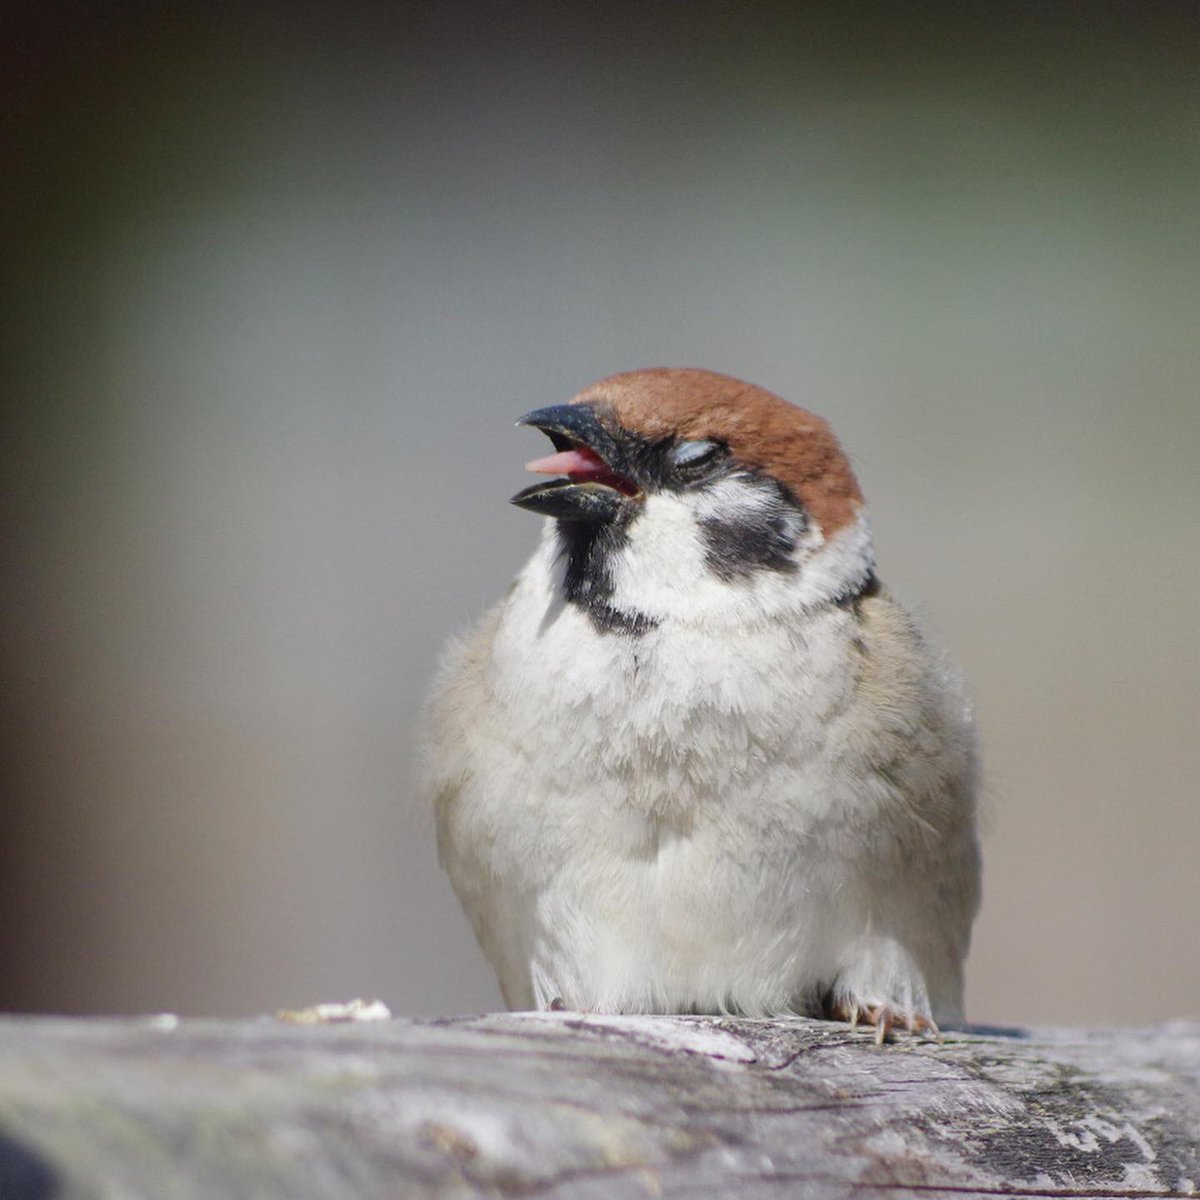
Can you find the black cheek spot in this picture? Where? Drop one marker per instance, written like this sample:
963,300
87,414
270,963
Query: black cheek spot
738,547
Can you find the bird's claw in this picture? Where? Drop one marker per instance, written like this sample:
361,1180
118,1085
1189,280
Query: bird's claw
884,1018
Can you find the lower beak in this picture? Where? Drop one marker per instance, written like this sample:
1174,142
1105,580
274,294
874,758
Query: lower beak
571,501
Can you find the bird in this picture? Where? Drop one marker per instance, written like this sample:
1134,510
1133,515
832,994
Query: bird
698,759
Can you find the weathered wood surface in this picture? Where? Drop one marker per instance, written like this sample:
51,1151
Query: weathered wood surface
559,1105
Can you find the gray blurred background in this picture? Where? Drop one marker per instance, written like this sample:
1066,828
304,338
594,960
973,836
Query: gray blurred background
278,280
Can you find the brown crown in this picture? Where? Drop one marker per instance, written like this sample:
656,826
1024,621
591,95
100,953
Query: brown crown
761,429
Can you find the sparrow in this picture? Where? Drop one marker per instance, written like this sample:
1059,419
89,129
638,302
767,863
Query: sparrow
698,760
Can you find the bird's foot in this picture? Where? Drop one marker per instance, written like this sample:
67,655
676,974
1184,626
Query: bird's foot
884,1018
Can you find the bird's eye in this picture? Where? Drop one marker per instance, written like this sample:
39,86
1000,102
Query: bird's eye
692,454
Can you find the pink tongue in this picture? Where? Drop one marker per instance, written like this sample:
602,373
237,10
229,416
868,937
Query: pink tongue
569,462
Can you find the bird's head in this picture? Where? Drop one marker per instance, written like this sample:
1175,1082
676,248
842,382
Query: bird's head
685,494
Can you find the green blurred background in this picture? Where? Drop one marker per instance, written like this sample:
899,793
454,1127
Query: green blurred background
277,281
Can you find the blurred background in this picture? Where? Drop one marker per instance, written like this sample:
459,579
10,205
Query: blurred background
277,282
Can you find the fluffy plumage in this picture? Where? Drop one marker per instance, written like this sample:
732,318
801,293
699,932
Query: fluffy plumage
697,759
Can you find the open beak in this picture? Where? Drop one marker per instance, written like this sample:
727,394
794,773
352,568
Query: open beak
587,458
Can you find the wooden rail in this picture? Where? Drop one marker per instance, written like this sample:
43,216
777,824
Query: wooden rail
564,1105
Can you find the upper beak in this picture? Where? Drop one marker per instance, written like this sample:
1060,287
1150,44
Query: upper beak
594,488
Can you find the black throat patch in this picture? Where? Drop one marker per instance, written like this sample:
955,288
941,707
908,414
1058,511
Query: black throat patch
588,550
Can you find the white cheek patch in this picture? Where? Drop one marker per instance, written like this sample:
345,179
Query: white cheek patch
666,568
663,556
